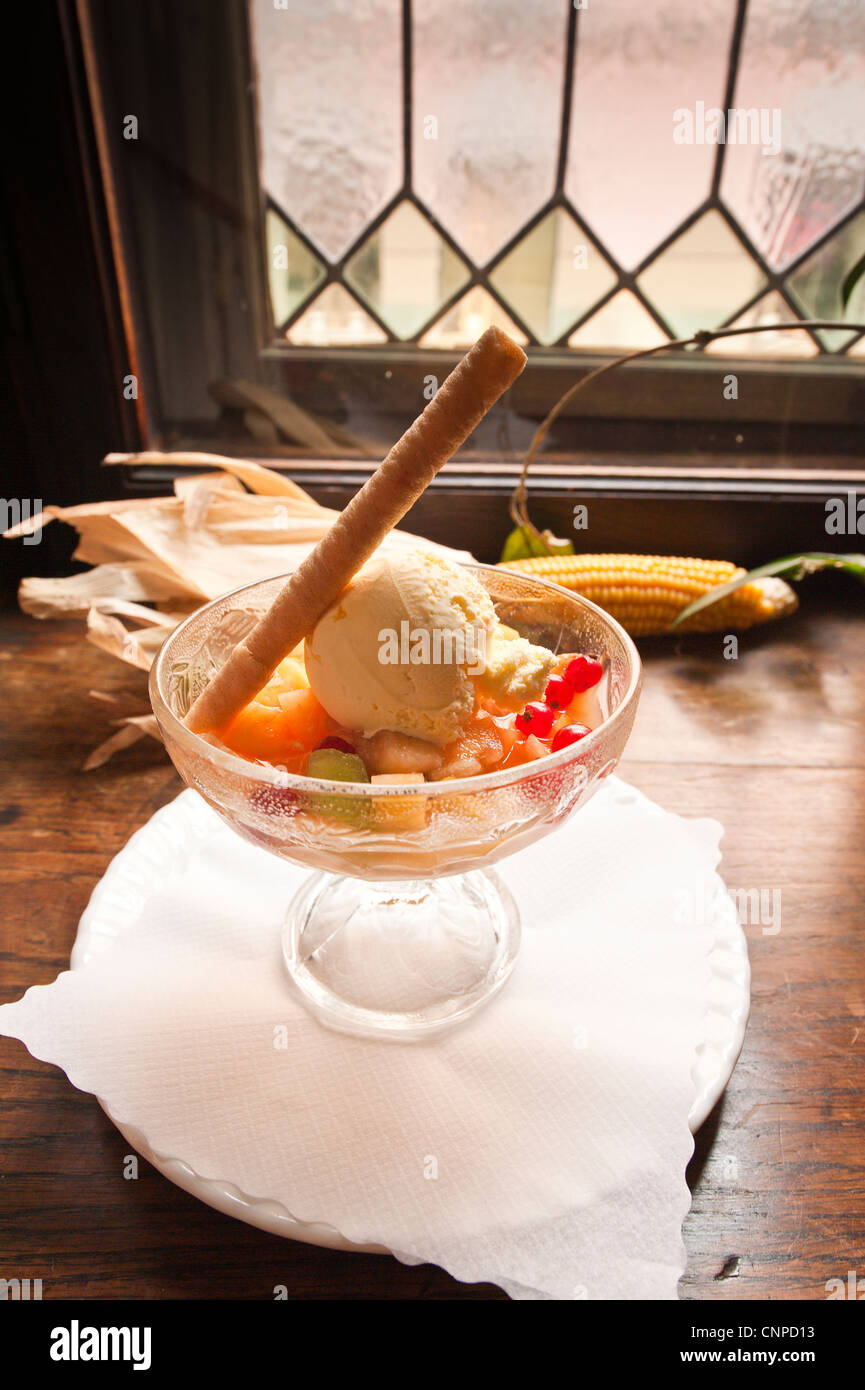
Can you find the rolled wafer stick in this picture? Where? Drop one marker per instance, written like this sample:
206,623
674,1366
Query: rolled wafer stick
461,402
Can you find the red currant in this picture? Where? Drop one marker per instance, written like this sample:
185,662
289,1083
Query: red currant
536,719
582,673
568,734
559,693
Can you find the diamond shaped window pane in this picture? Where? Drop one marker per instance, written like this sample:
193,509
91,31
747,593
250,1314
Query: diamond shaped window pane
335,318
703,278
637,63
770,309
330,103
406,271
487,101
553,276
816,284
802,70
466,320
621,324
293,271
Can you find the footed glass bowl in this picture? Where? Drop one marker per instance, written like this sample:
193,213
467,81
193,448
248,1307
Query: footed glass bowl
404,930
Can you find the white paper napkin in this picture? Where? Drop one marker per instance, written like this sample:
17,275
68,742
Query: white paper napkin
541,1146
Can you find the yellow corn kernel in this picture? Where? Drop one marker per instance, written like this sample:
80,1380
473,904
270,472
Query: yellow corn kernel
646,592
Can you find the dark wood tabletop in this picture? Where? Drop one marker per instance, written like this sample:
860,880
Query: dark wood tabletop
772,744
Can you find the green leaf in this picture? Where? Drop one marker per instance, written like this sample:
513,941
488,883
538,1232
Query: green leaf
557,546
851,280
516,547
790,567
523,544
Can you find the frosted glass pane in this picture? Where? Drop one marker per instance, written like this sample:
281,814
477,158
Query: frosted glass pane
330,112
293,272
770,309
335,318
405,271
703,278
553,276
471,316
816,285
805,58
621,324
636,64
485,142
858,349
488,82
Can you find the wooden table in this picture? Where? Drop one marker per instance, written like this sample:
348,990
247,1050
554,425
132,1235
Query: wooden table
772,744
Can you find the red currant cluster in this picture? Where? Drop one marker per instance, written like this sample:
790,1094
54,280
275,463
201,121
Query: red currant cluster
538,718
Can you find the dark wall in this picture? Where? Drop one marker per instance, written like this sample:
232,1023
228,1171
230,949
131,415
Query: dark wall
59,379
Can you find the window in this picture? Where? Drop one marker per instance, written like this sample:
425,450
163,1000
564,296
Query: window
317,203
594,178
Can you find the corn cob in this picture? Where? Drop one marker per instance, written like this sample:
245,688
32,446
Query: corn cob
646,592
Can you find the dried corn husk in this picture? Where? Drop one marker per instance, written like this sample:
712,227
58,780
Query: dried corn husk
130,730
156,559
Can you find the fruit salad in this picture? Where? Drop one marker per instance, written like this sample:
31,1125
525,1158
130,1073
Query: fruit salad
411,678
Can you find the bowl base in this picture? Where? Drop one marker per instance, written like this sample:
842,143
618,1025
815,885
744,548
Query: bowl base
404,960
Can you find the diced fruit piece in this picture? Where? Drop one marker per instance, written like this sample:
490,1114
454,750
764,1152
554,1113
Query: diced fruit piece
582,673
478,749
465,765
399,812
269,696
583,709
332,765
536,719
277,733
571,733
388,752
559,693
335,765
492,706
506,730
481,735
289,675
526,750
398,779
334,741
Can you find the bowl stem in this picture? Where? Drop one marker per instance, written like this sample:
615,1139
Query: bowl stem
400,960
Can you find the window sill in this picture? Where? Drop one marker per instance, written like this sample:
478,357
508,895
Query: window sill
744,514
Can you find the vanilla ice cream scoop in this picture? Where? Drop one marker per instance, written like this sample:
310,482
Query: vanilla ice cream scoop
399,648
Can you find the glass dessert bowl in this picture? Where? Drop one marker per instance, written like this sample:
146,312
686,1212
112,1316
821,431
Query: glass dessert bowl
404,930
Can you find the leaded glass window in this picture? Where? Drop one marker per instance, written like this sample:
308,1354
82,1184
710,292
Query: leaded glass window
598,176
